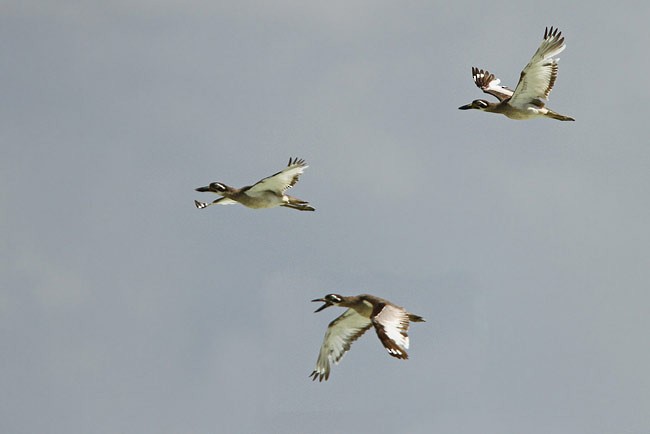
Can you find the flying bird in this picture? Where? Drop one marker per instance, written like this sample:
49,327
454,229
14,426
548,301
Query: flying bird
528,100
391,322
266,193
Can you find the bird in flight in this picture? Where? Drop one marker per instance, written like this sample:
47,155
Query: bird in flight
528,100
391,322
266,193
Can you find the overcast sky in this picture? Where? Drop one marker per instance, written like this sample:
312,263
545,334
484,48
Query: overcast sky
525,244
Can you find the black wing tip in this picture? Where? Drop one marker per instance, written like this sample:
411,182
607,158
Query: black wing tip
482,77
398,353
476,71
320,376
296,162
553,33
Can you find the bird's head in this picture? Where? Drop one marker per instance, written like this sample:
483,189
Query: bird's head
478,104
329,300
215,187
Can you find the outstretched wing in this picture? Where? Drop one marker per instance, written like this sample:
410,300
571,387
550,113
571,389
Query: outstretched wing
538,77
339,336
220,201
392,323
489,84
282,180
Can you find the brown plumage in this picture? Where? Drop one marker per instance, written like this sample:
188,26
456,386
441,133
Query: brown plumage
391,322
536,81
266,193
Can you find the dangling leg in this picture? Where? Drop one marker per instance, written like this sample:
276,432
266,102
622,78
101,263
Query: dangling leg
558,116
300,205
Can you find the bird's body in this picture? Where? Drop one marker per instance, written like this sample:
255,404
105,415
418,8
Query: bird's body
266,193
391,322
527,100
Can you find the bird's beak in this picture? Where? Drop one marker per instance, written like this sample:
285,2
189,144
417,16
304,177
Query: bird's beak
465,107
203,189
326,305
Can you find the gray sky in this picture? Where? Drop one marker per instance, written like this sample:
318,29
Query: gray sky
526,245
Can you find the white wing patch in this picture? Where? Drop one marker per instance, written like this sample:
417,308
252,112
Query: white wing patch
538,77
281,181
489,84
220,201
339,337
392,324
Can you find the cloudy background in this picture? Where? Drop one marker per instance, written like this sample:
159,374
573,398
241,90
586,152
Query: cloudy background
526,245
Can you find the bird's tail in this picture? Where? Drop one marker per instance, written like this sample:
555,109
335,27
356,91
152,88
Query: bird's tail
558,116
416,318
